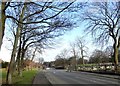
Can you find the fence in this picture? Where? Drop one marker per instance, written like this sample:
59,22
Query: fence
109,67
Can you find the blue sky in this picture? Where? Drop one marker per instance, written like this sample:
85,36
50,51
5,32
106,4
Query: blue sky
65,40
49,54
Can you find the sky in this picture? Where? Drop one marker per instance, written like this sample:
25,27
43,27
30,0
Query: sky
69,37
49,54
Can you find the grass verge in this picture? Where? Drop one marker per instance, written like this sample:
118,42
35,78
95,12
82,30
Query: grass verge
26,78
3,74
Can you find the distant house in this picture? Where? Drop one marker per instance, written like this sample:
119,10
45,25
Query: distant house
28,64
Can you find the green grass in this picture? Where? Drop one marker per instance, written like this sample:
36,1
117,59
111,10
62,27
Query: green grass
26,78
3,74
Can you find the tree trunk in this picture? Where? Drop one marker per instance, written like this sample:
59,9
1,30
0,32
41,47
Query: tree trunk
3,18
12,61
115,55
33,56
82,55
22,58
18,59
23,50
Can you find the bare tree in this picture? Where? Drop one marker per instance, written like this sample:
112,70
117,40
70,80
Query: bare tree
33,55
44,21
74,57
103,22
80,43
73,49
98,57
64,53
61,59
12,61
109,53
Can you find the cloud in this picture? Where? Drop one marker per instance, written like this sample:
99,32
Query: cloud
49,54
5,54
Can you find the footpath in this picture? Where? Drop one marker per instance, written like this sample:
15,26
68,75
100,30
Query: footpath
40,79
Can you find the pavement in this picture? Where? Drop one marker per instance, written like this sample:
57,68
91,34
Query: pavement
40,79
52,77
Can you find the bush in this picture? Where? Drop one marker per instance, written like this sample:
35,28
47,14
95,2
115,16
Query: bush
5,64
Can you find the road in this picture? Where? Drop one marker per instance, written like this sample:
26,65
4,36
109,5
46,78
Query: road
63,77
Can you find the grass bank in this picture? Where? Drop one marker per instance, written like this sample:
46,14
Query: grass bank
26,78
3,73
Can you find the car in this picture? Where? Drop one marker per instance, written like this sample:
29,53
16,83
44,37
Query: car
47,68
59,67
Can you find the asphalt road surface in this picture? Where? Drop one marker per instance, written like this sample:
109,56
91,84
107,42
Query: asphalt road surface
63,77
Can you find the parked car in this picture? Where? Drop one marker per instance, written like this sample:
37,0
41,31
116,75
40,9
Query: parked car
59,67
47,68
